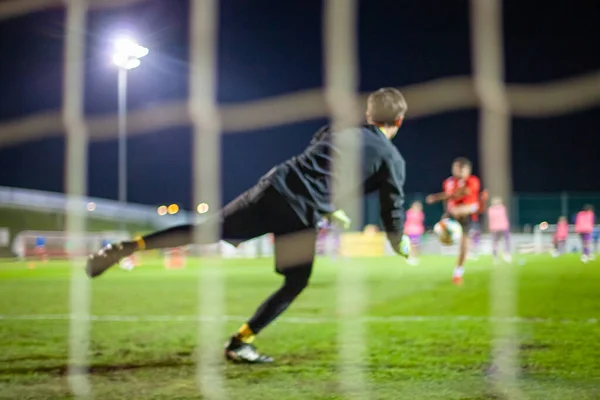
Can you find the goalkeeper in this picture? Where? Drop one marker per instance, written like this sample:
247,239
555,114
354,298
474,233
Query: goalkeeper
289,201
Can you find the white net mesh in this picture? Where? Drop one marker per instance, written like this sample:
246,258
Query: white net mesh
486,90
207,188
341,83
425,99
494,150
76,188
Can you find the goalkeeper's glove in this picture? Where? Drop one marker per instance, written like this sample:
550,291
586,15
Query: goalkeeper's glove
405,247
340,218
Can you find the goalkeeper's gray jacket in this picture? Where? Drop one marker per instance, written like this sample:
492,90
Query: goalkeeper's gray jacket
307,180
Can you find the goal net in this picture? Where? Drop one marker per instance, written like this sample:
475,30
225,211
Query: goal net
338,100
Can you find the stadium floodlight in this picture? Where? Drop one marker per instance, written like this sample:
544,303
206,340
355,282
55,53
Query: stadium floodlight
128,53
126,56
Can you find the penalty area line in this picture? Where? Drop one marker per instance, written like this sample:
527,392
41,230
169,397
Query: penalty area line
297,320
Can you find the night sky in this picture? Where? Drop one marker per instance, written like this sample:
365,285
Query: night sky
273,47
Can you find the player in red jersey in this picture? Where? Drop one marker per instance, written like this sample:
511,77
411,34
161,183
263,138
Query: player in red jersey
462,196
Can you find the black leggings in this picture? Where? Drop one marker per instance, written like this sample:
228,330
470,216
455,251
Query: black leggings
294,257
256,212
279,301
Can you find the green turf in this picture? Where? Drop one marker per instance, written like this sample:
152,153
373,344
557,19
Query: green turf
439,356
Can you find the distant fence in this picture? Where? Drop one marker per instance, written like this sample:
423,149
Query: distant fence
101,208
525,208
358,244
534,208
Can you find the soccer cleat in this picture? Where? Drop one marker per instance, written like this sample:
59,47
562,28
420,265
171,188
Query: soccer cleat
585,259
244,353
108,256
457,280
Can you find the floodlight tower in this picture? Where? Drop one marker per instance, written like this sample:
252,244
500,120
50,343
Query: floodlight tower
127,55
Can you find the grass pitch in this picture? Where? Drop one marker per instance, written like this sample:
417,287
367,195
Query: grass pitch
426,339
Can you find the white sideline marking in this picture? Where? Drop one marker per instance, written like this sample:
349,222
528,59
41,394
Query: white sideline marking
297,320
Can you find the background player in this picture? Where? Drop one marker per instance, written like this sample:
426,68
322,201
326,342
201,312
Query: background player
40,250
289,201
584,226
414,228
475,234
461,194
329,238
499,228
560,236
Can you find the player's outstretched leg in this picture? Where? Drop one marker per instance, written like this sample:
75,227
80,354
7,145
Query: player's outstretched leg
585,242
459,270
248,216
294,256
463,249
111,254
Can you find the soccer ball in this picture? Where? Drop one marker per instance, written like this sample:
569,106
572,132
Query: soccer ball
449,231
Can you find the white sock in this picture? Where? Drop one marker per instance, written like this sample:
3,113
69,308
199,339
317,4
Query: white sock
459,271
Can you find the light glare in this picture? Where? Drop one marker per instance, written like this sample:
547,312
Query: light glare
128,53
202,208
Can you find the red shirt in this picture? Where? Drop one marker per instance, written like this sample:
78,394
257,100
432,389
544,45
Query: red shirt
472,183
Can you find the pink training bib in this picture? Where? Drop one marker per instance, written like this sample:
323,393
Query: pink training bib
497,218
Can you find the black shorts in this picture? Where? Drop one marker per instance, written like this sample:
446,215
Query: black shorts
261,210
257,211
464,222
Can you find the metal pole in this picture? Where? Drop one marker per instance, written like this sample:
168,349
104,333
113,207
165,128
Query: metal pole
122,89
564,204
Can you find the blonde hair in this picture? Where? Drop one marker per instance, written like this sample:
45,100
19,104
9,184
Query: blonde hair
386,105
